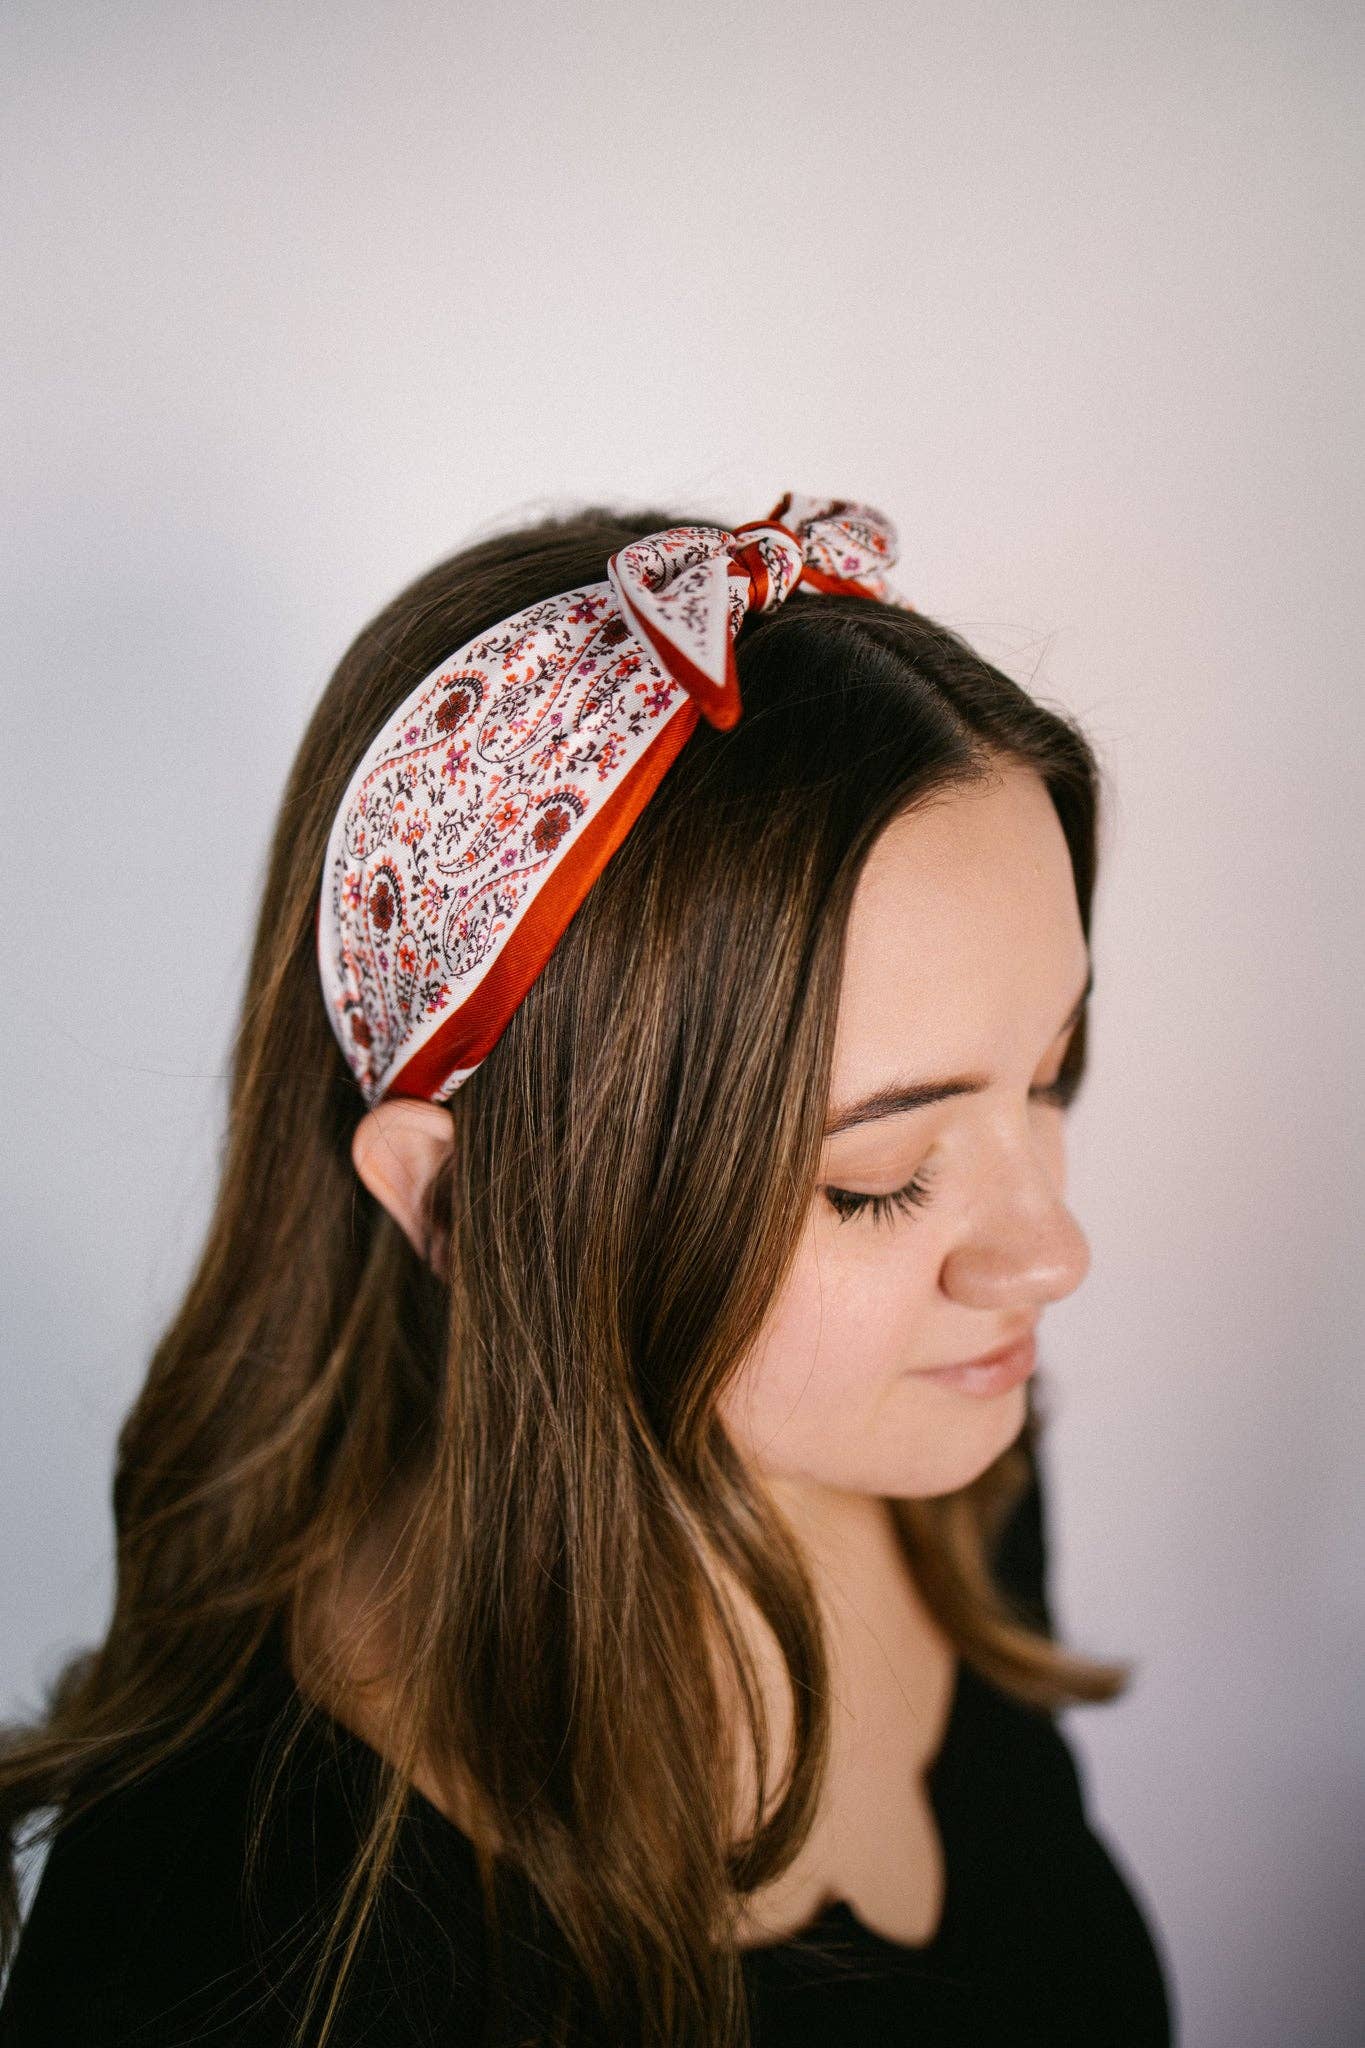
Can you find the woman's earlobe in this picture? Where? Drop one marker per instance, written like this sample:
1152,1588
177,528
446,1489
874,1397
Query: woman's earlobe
397,1148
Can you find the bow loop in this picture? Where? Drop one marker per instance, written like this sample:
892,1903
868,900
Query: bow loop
686,592
847,548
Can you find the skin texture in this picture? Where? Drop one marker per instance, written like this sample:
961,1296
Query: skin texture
965,953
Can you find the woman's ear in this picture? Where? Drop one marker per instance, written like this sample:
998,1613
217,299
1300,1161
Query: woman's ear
397,1148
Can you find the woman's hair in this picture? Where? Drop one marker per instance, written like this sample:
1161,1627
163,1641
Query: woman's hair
632,1166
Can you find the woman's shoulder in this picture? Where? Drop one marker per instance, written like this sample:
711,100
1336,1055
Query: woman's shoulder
144,1928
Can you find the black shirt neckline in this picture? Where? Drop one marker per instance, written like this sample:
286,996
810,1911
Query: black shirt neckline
839,1917
279,1691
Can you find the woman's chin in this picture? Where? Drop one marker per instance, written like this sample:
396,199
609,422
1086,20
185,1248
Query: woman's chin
967,1438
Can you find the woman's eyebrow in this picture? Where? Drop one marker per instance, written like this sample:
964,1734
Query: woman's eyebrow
899,1096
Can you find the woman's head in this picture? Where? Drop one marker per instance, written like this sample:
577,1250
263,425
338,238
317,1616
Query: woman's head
938,1229
638,1298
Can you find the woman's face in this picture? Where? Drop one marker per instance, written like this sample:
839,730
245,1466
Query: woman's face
965,956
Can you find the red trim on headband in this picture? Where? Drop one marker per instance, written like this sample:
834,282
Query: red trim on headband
833,586
469,1034
720,708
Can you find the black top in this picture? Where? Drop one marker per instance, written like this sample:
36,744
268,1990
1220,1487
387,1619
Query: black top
138,1937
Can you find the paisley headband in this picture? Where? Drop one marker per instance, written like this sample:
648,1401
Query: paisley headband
483,812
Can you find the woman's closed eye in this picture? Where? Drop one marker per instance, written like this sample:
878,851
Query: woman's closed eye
1058,1094
913,1195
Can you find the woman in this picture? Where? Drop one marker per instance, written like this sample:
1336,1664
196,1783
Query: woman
571,1583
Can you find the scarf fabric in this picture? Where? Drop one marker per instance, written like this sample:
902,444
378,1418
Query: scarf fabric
493,797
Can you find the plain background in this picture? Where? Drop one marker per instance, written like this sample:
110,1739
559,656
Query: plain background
301,297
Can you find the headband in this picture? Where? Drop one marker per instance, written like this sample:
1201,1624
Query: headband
498,790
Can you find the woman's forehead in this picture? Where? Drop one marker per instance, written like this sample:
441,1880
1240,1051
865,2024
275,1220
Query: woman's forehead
965,921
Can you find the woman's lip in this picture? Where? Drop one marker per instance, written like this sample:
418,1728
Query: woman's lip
994,1373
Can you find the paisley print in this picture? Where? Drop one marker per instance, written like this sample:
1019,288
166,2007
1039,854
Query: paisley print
481,814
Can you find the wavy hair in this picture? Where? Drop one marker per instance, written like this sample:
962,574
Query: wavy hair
545,1403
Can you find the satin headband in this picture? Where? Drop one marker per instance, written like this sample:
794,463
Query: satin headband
483,812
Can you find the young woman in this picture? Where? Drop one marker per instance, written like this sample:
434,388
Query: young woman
573,1581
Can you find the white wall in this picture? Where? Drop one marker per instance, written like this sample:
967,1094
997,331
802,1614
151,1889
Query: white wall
301,295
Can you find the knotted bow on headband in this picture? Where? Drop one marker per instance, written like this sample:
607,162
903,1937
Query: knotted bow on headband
483,812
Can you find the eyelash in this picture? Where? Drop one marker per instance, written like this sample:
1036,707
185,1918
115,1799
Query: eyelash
1060,1093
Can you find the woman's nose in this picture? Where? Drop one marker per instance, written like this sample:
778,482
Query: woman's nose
1023,1244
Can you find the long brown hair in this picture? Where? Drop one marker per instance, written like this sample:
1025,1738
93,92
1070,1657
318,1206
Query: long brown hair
547,1401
